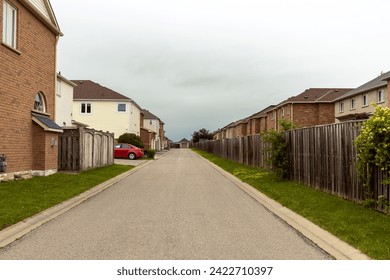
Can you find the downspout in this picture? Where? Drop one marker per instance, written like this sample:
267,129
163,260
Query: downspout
292,113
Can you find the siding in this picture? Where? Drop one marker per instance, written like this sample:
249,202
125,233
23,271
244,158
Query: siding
40,6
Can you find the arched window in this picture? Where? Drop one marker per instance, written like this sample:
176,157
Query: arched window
39,102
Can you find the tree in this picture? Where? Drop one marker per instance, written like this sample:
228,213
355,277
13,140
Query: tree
201,134
131,138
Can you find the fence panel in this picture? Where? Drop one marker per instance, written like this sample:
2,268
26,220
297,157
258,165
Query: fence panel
81,149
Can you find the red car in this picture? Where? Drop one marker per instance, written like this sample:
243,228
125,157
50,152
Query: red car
127,151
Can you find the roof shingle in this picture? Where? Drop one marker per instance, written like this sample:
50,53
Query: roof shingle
89,90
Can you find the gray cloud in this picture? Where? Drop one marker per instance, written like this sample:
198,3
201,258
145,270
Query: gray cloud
207,63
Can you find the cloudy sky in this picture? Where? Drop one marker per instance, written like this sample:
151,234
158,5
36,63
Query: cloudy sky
206,63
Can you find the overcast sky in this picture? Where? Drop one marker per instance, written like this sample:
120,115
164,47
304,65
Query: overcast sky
206,63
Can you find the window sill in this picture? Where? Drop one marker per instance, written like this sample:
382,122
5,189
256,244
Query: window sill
11,48
380,102
365,106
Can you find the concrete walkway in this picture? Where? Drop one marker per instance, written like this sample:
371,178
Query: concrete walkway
177,207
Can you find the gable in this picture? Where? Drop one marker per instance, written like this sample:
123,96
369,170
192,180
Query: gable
44,11
41,7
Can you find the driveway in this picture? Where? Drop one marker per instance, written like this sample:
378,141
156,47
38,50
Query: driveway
176,207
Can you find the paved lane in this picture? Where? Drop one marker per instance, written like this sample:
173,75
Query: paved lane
177,207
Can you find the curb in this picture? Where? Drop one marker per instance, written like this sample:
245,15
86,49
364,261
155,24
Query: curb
16,231
331,244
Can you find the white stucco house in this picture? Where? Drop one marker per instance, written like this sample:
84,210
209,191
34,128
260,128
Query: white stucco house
64,101
104,109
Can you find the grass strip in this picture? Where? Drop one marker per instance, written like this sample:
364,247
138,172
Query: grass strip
25,198
361,227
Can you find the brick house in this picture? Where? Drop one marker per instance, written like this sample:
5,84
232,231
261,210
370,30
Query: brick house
356,104
28,133
314,106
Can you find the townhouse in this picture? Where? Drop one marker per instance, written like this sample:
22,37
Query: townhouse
356,104
28,133
314,106
154,124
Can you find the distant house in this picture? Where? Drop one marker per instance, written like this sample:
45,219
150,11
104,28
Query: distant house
356,104
64,101
184,143
28,49
104,109
314,106
153,123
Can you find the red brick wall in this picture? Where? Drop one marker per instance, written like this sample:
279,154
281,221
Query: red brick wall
271,122
22,76
306,115
146,138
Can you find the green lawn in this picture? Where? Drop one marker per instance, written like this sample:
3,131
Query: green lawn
363,228
22,199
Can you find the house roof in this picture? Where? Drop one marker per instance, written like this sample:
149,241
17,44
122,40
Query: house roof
376,83
316,95
262,113
62,78
89,90
184,140
46,123
148,115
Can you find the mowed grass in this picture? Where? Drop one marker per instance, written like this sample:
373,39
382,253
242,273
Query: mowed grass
22,199
363,228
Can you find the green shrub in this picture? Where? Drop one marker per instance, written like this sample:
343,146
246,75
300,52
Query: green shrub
373,148
150,153
278,153
131,138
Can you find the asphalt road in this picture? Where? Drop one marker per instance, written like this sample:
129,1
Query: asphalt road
177,207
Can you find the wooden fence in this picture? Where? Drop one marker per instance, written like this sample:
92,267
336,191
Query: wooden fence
322,157
82,148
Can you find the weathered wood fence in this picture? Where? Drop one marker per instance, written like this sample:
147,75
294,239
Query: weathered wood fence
322,157
82,148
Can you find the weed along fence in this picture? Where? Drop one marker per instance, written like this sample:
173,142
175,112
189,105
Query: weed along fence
322,157
82,148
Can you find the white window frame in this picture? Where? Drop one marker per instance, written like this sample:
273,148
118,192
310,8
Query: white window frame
353,104
341,107
10,15
39,103
119,111
58,87
365,100
86,108
380,96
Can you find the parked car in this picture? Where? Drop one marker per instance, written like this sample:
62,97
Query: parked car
129,151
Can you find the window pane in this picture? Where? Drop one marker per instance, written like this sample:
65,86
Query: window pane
121,107
83,108
88,108
9,25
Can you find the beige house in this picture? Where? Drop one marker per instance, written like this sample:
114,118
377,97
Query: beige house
104,109
356,104
154,124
